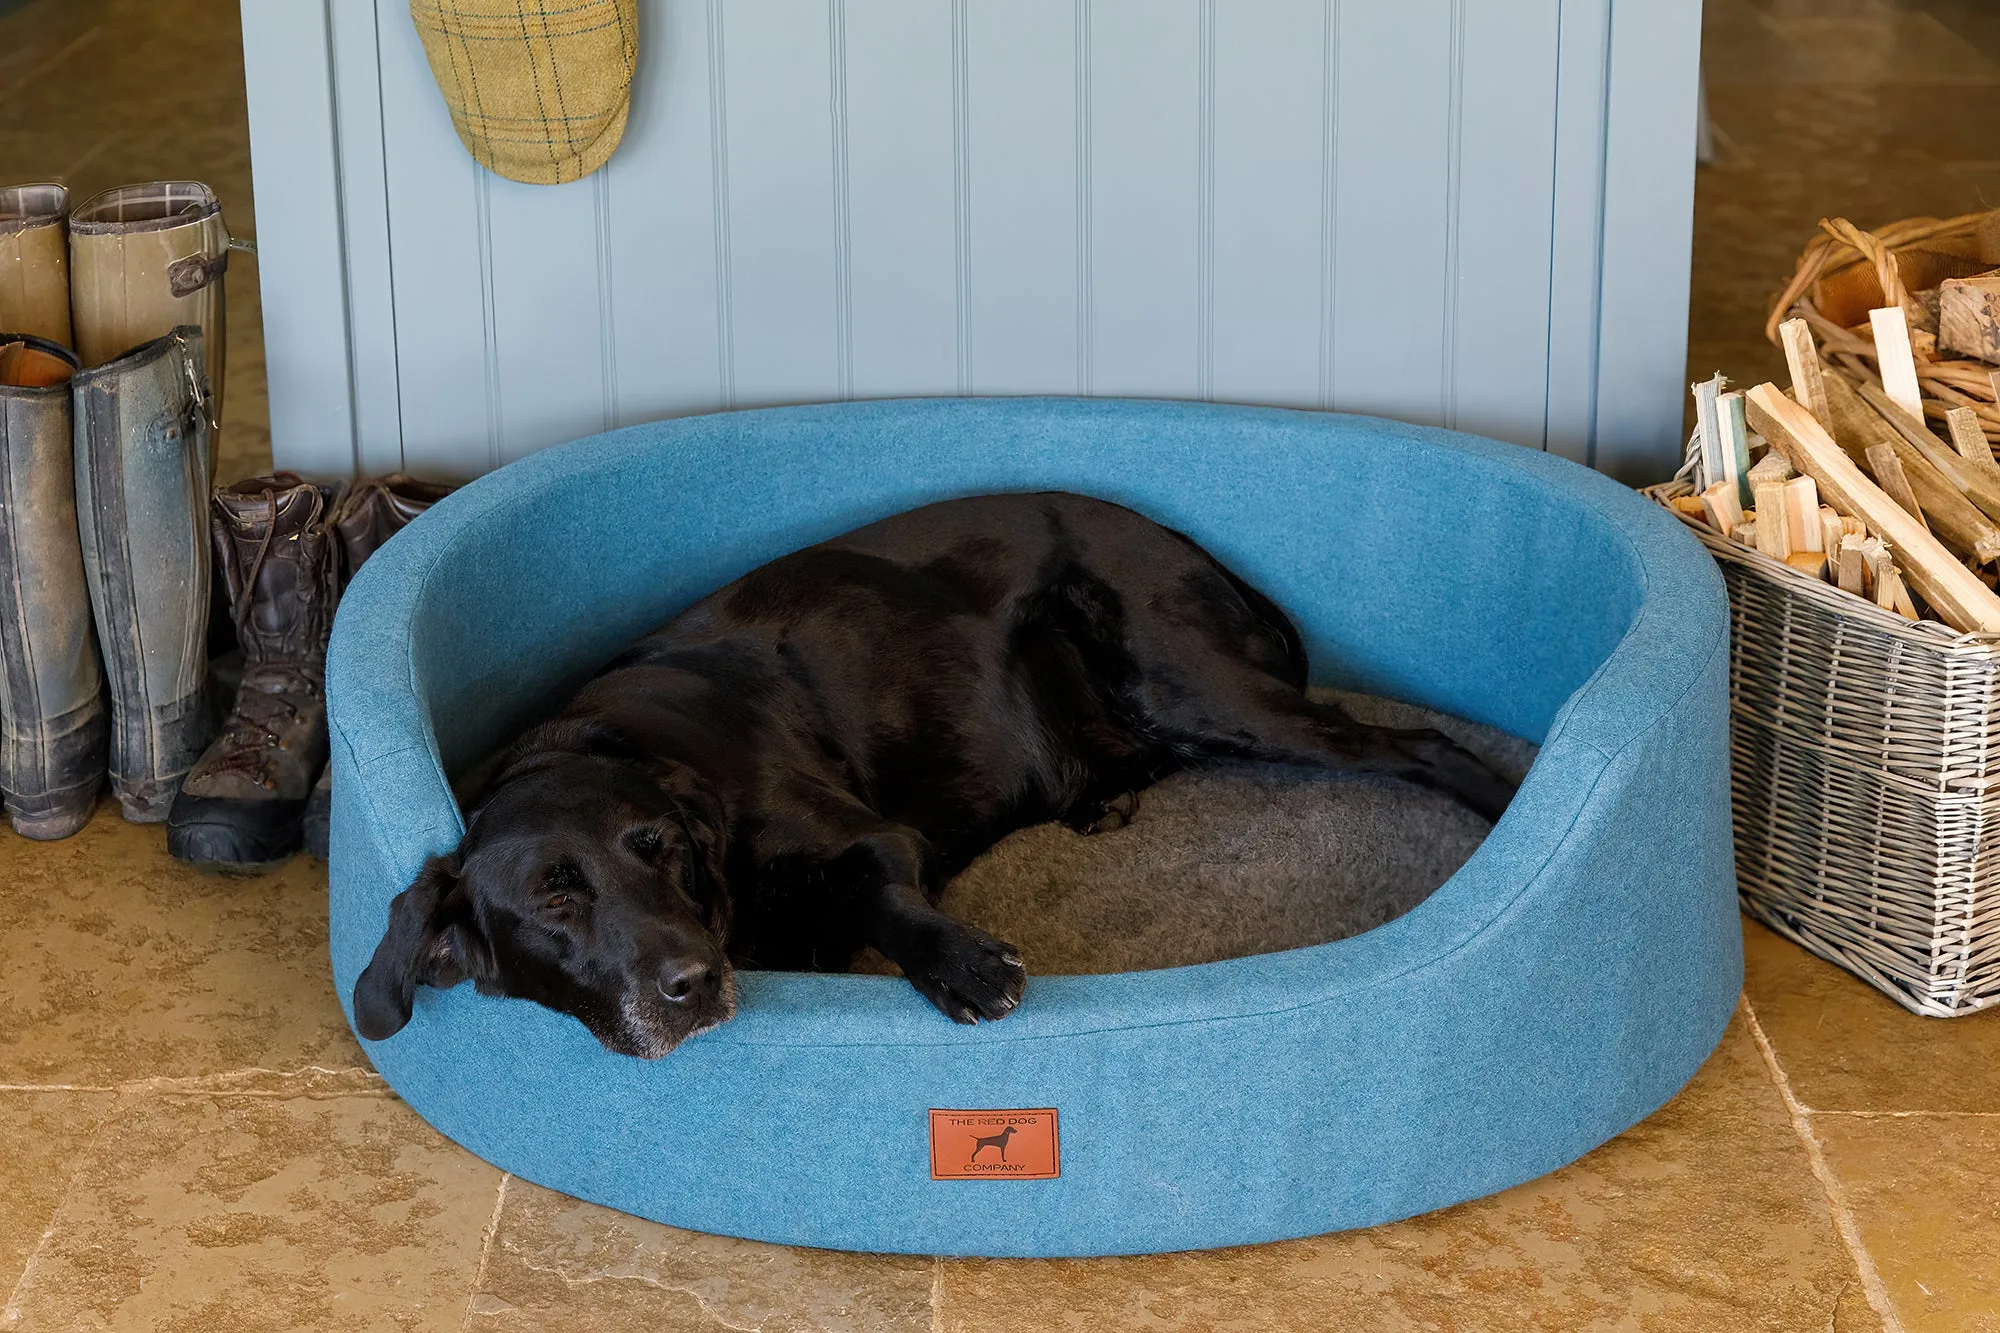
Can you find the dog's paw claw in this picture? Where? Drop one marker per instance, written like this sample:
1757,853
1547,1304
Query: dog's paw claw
971,976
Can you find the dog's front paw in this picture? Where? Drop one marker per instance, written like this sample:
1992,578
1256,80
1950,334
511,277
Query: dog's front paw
969,975
1105,816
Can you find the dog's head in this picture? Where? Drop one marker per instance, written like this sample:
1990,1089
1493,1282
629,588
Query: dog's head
590,880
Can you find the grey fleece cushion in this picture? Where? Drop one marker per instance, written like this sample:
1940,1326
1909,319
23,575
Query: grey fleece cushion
1228,861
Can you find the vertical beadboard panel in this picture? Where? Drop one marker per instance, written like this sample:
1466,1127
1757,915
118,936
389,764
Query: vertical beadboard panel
1392,237
1021,160
783,256
1649,134
1427,209
1148,75
901,196
293,112
437,238
1576,247
659,226
364,213
1506,185
1269,133
547,316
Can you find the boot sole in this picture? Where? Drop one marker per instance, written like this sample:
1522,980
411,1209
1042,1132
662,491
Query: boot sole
53,827
233,835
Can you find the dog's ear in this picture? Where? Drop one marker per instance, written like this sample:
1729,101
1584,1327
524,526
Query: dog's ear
431,941
707,829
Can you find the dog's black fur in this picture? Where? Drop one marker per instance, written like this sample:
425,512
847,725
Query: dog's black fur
794,767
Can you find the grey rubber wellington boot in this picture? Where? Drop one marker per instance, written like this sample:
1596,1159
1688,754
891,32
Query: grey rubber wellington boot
243,802
53,723
368,515
142,449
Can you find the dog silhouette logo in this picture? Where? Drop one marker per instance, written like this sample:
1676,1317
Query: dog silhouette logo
1001,1144
999,1141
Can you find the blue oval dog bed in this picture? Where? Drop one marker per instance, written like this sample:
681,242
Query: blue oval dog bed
1561,985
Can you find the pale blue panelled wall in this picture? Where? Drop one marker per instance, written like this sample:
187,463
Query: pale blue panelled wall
1464,212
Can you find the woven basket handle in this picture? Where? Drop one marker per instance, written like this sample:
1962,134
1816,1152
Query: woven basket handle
1843,242
1887,271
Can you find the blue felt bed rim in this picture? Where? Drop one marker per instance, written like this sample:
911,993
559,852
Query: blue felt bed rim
1557,989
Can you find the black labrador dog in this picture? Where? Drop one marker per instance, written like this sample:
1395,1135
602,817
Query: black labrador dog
794,767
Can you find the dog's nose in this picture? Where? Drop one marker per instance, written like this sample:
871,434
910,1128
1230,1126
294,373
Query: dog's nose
685,979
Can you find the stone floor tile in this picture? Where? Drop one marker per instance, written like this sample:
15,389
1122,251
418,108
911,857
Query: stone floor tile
124,964
219,1214
559,1264
1846,1047
46,1134
1706,1216
1925,1192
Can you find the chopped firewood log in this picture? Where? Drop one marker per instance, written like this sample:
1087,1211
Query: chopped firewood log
1853,567
1773,466
1722,510
1876,552
1887,583
1802,359
1745,533
1889,475
1961,600
1850,526
1802,530
1952,515
1897,363
1829,531
1977,486
1735,444
1905,606
1708,427
1773,532
1810,563
1969,316
1690,506
1969,438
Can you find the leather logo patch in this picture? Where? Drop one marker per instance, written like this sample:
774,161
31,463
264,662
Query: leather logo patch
995,1145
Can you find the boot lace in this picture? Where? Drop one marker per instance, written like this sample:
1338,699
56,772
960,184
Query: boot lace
266,708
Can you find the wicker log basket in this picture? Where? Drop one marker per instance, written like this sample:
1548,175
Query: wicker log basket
1865,753
1866,747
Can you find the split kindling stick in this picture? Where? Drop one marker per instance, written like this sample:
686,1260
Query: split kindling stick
1958,597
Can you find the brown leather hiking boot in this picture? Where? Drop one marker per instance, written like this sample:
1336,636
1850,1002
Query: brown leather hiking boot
243,802
376,510
368,515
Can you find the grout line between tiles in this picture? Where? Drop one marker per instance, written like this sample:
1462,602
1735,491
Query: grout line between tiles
1906,1115
211,1084
485,1251
1830,1186
10,1314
